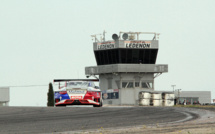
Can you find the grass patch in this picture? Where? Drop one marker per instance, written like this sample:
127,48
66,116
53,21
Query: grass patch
196,106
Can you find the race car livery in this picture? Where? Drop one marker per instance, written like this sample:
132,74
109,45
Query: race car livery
78,93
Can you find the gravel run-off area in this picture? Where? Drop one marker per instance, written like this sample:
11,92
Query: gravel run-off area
203,124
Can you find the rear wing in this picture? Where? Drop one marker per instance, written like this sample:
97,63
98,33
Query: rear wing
62,80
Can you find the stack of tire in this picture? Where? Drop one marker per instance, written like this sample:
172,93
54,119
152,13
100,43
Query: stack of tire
157,99
168,99
144,98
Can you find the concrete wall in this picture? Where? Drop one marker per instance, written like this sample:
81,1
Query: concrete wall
127,96
116,79
130,96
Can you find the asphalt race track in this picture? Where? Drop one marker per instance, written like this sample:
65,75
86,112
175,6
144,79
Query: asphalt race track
61,119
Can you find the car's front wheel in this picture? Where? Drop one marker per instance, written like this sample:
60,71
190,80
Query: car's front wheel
100,104
60,106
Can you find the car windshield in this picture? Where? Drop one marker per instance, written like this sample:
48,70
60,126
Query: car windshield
77,84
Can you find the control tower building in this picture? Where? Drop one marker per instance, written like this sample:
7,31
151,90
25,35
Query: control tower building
126,65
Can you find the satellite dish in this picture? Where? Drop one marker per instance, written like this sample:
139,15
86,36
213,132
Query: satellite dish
131,37
115,37
125,36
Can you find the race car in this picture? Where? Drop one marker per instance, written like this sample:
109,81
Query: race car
78,92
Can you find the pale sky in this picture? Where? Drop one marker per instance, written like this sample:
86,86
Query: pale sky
45,40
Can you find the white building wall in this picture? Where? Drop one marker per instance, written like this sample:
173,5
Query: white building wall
4,96
204,96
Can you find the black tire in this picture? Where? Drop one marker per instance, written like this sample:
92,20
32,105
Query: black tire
100,105
61,106
95,105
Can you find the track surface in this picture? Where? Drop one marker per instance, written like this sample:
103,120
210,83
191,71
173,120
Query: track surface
54,119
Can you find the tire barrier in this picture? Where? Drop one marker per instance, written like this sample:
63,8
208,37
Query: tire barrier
156,98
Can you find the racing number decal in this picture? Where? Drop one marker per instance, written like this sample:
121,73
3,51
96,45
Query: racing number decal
76,97
76,91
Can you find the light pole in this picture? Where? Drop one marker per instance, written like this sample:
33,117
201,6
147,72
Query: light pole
173,87
178,95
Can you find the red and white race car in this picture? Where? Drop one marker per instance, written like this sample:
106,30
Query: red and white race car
78,92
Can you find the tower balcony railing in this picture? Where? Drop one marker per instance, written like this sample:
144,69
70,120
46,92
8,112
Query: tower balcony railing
124,68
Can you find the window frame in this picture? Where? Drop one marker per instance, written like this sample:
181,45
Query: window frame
149,86
127,84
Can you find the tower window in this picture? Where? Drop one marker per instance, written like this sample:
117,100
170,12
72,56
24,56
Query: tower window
127,84
137,84
146,85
